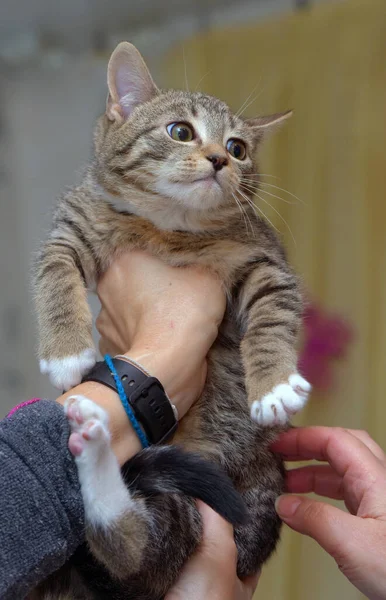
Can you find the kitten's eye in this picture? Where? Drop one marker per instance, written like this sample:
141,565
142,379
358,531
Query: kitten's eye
180,132
237,149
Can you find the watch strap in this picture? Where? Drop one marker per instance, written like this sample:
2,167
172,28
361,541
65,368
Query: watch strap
145,394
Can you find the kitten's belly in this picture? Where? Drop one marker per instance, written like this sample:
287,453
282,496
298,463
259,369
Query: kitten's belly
218,426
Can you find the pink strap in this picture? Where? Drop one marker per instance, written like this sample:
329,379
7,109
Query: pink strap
26,403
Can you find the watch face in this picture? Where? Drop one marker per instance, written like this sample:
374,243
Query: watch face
154,410
143,397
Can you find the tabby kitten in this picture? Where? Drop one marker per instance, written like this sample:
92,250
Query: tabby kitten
172,175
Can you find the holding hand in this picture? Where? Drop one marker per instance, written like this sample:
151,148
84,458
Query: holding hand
211,572
164,318
356,474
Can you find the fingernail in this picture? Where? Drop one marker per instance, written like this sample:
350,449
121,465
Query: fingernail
286,506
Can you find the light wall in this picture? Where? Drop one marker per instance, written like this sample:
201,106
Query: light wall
329,65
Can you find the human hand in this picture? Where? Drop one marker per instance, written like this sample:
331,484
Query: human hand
211,572
356,474
163,317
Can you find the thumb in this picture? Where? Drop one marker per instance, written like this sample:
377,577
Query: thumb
329,526
211,571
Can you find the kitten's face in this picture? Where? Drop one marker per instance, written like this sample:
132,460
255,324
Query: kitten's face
203,152
180,150
190,149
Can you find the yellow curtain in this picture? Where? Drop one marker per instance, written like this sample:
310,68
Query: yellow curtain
329,64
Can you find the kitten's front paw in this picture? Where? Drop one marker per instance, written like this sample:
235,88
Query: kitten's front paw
285,400
88,423
66,373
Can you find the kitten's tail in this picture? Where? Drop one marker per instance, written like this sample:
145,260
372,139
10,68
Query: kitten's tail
171,470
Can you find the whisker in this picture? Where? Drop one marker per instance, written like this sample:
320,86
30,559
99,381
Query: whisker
249,220
248,188
201,80
266,184
256,208
239,112
253,176
279,215
278,197
185,69
240,207
254,190
284,190
251,102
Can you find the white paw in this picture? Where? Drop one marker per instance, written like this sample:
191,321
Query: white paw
79,409
66,373
88,423
285,400
105,496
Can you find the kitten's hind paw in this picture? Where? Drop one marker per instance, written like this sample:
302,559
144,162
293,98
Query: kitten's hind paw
105,496
285,400
79,409
88,423
65,373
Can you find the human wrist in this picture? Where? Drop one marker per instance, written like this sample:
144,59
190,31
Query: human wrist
166,364
176,359
180,367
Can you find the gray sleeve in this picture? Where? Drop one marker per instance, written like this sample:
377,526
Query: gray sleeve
41,508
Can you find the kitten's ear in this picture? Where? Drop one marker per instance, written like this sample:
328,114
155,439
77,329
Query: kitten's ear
129,81
264,125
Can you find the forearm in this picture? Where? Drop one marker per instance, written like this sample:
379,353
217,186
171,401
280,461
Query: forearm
42,510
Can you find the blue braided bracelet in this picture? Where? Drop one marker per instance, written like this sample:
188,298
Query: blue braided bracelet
126,404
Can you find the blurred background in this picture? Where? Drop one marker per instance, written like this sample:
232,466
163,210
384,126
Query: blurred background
324,186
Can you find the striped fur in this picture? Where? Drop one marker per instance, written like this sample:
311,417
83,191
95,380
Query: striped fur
142,191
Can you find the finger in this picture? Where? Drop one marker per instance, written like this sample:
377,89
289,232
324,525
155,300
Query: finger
217,533
211,571
320,479
249,584
289,444
330,527
108,322
350,458
337,446
103,347
244,590
109,333
252,580
366,439
106,347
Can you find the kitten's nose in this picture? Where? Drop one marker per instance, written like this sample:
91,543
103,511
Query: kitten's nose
218,161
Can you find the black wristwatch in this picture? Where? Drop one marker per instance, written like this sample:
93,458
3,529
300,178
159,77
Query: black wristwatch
146,395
